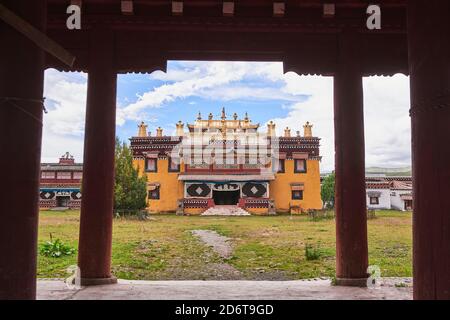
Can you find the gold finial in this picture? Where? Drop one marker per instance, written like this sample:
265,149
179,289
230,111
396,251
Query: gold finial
224,116
307,130
199,117
287,132
246,117
271,129
180,128
235,116
159,132
210,117
142,132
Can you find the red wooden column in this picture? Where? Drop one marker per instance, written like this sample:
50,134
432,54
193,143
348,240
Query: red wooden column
350,198
21,79
94,257
429,58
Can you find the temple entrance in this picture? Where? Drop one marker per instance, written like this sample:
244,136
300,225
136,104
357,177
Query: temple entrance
62,202
230,198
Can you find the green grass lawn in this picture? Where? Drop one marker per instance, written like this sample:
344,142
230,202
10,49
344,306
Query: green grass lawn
269,247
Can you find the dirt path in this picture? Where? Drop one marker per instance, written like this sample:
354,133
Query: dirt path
220,244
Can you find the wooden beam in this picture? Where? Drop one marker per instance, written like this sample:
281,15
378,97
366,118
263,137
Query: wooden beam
36,36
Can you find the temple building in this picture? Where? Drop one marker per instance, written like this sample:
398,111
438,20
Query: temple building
229,163
389,193
60,186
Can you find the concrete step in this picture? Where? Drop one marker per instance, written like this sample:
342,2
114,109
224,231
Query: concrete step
225,211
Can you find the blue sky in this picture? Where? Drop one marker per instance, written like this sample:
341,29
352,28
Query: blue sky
261,89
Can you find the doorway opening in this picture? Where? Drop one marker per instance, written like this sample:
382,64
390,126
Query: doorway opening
226,198
62,202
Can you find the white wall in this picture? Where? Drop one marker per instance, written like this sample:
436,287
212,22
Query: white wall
396,202
384,200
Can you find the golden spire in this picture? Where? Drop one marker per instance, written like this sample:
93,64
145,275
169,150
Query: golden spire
199,117
180,129
142,132
159,132
287,132
210,117
307,130
235,116
271,129
224,116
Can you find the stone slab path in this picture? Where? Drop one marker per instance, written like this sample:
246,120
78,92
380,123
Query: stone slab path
219,290
220,244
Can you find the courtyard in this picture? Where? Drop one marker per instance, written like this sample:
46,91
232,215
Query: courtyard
271,248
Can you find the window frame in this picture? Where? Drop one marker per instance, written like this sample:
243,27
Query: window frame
169,166
374,203
77,175
281,166
146,165
157,196
67,177
300,197
46,175
297,170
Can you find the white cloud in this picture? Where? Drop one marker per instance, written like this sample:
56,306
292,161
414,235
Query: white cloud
204,79
64,123
387,123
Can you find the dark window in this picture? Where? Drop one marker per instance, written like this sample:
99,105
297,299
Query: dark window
300,166
151,165
297,194
154,194
280,168
173,166
374,200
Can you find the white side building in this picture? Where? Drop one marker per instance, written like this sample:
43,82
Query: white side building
389,193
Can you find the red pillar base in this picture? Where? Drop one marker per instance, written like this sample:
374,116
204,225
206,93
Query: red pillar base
88,282
353,282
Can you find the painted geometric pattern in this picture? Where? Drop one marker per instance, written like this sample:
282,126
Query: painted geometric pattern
254,190
200,190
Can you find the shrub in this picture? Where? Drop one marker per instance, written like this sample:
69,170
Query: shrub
312,253
55,249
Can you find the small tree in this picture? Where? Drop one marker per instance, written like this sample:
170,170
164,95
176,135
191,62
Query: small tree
130,190
328,191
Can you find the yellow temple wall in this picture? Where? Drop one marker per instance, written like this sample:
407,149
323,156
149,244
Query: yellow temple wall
281,192
170,188
257,211
280,189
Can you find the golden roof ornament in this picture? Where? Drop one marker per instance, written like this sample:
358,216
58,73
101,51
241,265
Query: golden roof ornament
199,117
307,130
235,116
142,132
